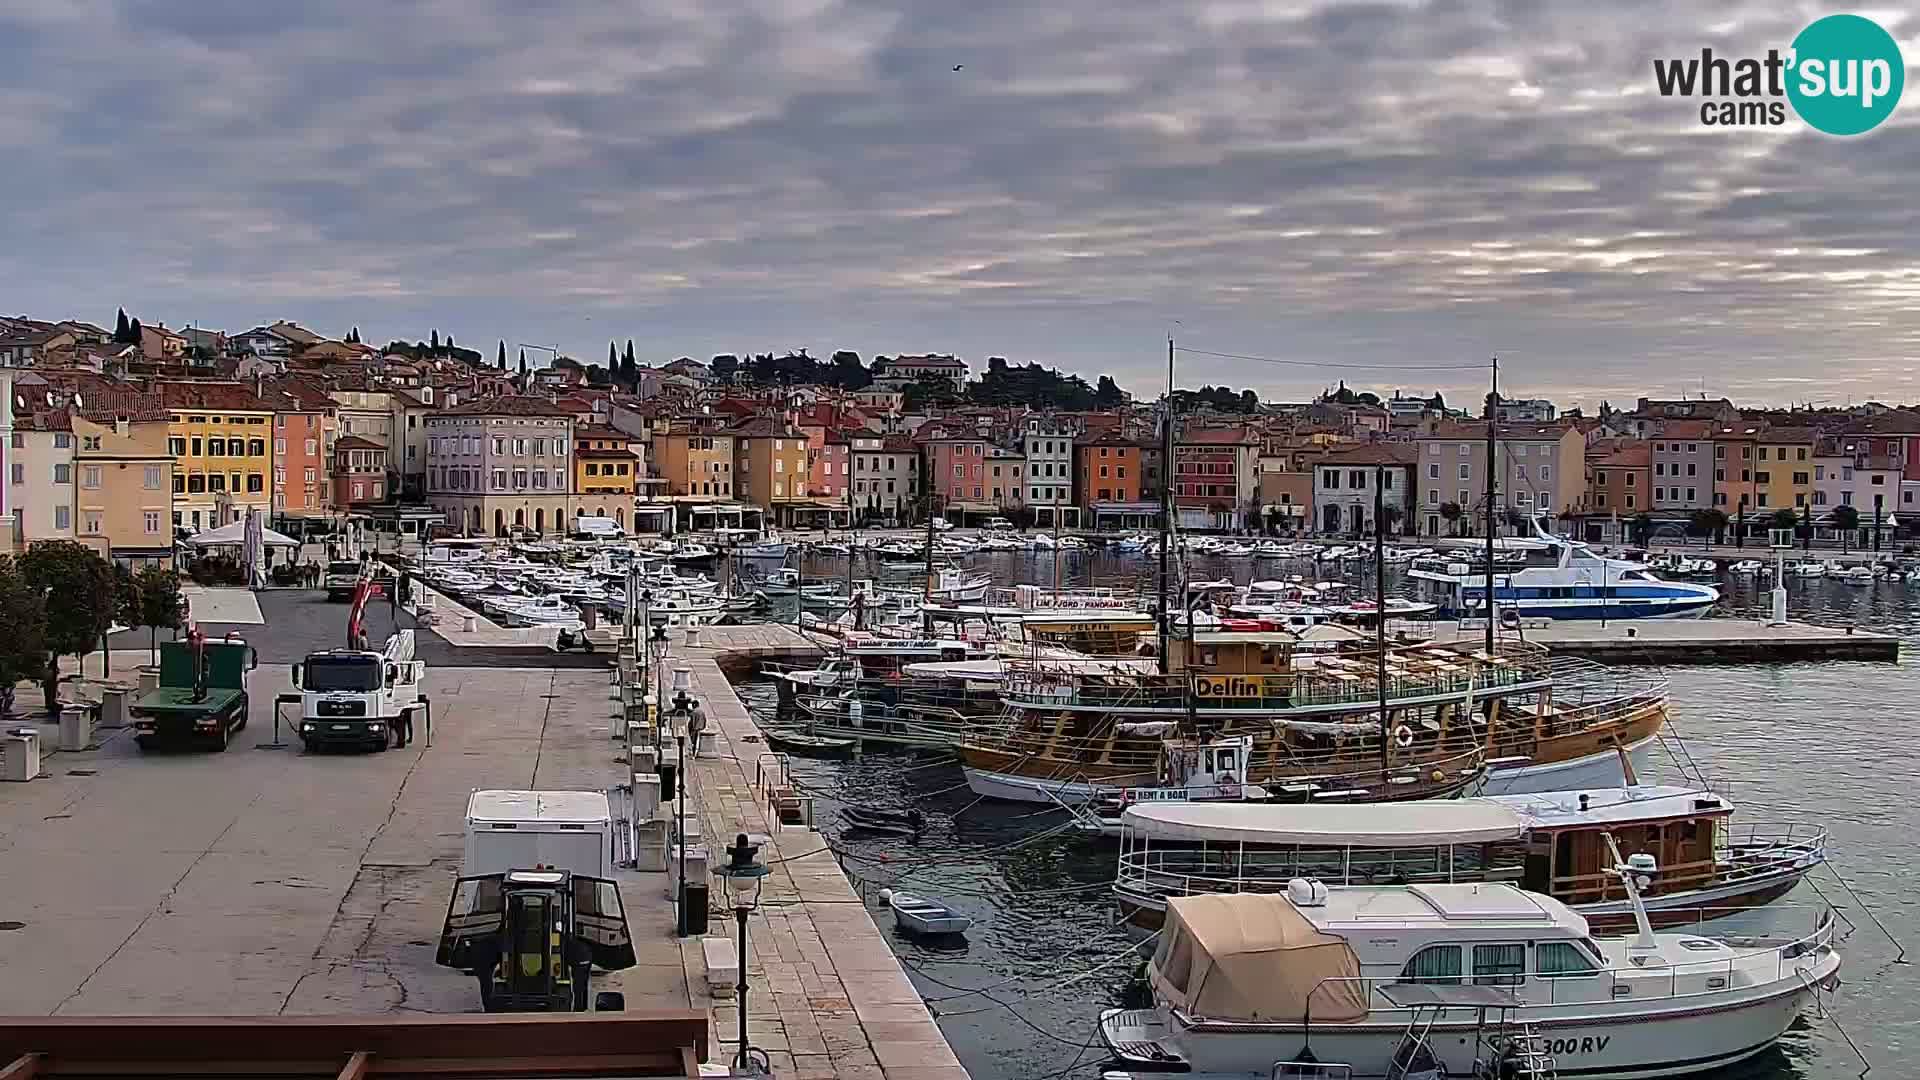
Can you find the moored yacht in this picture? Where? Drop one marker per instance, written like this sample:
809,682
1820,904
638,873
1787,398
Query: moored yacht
1560,579
1440,980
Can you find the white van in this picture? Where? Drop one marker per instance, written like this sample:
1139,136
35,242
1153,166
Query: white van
597,528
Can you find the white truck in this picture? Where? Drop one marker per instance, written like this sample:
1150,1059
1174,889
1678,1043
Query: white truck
359,697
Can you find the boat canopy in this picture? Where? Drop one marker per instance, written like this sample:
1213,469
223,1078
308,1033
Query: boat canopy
1602,807
1254,957
1384,825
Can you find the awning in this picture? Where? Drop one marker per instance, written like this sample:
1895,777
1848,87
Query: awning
1254,957
1382,825
236,533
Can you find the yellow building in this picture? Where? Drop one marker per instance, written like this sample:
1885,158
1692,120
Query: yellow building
1783,468
605,468
123,497
695,462
221,439
770,464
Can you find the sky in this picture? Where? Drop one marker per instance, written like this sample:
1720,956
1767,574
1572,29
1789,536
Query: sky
1405,188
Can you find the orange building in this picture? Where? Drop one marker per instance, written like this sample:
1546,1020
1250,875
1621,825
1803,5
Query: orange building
303,436
1109,475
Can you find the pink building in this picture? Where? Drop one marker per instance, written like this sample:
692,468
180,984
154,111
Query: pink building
959,471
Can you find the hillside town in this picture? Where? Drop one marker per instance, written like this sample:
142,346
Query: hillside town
127,440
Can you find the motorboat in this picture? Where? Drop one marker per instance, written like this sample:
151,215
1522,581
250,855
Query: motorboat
687,551
827,547
955,586
1558,579
1746,566
1547,843
917,915
1807,568
1856,575
1481,980
881,819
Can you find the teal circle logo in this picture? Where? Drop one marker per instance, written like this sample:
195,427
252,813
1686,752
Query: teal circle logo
1847,74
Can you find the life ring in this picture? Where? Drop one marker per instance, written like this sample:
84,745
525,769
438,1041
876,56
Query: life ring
1403,736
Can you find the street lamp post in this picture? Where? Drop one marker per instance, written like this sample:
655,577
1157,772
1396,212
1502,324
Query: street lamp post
689,712
741,877
1878,498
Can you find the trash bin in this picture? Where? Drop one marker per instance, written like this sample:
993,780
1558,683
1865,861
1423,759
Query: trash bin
669,775
693,908
76,727
20,754
113,709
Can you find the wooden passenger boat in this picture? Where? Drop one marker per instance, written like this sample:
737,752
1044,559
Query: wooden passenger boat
1554,844
1323,726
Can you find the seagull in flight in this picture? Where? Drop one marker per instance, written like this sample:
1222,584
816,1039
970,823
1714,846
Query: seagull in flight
957,67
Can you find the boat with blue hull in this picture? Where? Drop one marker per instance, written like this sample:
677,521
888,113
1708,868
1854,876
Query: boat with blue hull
1559,579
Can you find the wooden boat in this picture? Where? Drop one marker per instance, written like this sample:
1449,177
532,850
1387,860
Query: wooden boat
805,742
1320,728
920,916
1553,844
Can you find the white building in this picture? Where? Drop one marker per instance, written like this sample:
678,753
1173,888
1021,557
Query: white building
1048,443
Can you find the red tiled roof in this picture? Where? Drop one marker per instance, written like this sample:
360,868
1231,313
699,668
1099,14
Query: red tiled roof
1373,454
44,420
1214,436
1685,429
210,395
764,426
509,405
355,442
1477,429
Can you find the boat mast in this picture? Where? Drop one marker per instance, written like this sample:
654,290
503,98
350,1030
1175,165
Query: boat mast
1166,503
1380,599
926,601
1493,415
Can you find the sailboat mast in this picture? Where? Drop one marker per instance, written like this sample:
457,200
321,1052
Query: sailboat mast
1493,416
1166,503
1380,599
926,482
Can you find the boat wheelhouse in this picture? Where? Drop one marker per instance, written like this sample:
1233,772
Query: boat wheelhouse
1555,844
1439,980
1325,726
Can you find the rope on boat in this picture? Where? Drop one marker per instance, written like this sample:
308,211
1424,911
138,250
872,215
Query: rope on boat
1900,956
1820,1003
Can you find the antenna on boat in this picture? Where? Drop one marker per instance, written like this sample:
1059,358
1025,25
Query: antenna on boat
1166,504
1380,601
1635,873
1493,417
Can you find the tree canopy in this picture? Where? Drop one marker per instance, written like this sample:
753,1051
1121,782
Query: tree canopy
78,585
23,650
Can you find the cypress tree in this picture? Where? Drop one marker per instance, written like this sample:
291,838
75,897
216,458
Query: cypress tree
523,362
133,332
502,361
120,327
435,343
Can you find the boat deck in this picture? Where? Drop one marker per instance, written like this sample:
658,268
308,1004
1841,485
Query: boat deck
1693,641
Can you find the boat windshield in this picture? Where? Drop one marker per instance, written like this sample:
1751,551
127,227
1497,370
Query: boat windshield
332,673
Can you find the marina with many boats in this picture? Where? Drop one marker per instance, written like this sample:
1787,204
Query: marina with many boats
1307,838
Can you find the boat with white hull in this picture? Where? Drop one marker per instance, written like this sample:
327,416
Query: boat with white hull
1561,579
1361,982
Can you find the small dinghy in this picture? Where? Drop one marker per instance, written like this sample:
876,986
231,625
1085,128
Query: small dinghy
802,742
896,822
919,916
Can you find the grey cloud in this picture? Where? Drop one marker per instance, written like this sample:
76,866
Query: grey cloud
1366,183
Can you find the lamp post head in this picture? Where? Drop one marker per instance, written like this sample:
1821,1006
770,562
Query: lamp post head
742,873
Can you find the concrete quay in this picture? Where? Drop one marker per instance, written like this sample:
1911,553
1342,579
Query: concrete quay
1693,641
275,882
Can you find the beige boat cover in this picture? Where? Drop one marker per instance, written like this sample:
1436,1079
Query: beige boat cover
1254,957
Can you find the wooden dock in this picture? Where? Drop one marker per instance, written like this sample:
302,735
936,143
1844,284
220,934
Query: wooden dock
1695,641
829,998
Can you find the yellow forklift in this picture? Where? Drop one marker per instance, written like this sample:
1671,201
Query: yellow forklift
533,937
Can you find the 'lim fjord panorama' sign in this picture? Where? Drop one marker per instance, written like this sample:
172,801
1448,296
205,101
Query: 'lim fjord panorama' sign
1842,75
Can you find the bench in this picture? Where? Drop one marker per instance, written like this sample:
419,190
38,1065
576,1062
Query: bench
723,965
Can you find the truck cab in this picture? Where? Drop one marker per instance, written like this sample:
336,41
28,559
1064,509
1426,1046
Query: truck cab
342,577
359,697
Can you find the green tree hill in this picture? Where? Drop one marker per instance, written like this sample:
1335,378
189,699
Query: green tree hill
78,585
23,630
725,366
847,372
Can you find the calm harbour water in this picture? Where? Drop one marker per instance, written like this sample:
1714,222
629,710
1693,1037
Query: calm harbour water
1830,744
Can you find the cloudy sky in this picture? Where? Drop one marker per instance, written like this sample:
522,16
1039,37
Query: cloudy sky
1393,184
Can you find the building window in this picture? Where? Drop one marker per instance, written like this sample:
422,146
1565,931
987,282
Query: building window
256,483
90,476
153,522
62,517
63,474
1466,473
499,479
